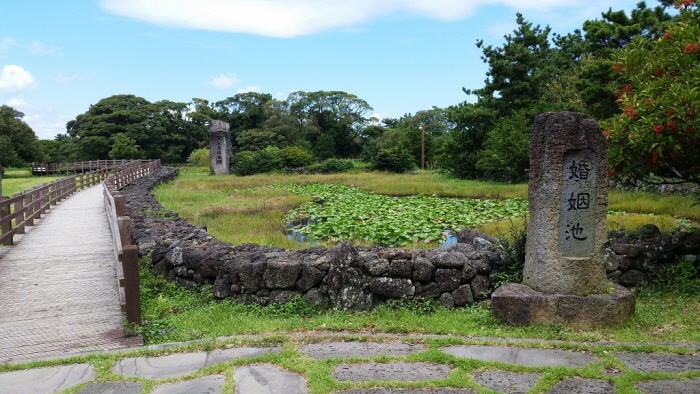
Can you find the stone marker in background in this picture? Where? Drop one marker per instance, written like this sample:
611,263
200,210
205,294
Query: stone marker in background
564,279
219,147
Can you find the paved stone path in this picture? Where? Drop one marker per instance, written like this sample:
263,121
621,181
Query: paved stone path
257,377
58,287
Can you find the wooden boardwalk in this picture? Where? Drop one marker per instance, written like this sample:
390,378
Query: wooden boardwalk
58,286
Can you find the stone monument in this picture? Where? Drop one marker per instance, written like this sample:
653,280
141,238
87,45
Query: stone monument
564,280
219,147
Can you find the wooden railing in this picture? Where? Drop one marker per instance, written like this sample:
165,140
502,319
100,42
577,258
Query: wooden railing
80,166
21,210
126,254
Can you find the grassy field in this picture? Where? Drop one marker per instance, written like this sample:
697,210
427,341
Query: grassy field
242,210
20,179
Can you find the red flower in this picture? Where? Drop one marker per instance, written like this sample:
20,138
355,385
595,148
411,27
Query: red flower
617,67
606,133
654,157
611,173
667,36
658,129
673,75
671,126
629,111
659,72
691,48
670,112
648,101
687,3
689,130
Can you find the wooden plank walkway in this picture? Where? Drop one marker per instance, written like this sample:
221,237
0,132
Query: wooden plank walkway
58,286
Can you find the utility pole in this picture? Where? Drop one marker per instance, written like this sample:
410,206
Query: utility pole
422,146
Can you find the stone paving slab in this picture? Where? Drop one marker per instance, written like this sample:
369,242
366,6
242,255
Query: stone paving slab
382,390
507,382
359,349
259,379
660,362
112,388
583,386
670,386
406,372
46,380
180,364
212,384
521,356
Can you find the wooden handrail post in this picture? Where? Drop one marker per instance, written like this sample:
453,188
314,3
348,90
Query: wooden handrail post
124,223
19,213
5,225
132,296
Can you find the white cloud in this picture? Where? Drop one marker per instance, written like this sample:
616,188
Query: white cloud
14,78
15,102
224,81
249,89
279,18
293,18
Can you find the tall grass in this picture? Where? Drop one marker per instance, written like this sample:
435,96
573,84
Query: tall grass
237,210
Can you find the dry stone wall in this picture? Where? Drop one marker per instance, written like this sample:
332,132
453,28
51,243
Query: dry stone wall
346,277
343,278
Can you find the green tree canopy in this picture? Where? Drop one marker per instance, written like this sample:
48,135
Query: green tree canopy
18,143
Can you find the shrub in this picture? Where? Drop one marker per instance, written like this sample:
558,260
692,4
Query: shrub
332,166
200,157
394,160
243,163
249,163
296,156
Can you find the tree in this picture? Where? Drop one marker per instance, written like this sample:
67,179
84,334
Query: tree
338,116
18,143
657,136
123,147
506,154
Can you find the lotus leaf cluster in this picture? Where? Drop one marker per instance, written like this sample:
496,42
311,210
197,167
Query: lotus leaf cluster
343,213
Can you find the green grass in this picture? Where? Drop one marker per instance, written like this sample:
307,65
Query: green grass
256,214
20,179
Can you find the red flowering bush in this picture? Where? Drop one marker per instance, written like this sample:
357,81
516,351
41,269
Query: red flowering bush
656,138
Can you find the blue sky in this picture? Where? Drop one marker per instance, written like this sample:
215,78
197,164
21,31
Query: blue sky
401,56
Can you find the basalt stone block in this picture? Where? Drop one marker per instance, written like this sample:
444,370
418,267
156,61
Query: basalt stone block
251,274
310,277
423,270
449,260
447,300
316,297
520,305
401,268
282,296
633,278
428,290
481,265
448,279
468,272
378,267
480,287
392,287
282,274
631,250
463,295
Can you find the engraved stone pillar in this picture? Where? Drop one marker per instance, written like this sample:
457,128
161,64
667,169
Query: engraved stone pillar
564,280
219,147
568,198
